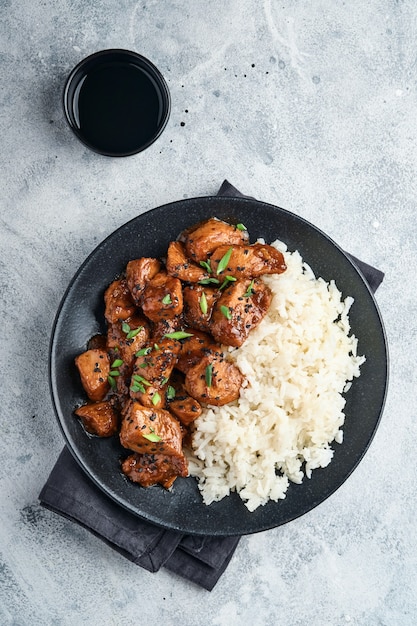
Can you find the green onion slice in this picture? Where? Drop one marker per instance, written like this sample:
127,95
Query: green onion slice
137,387
134,332
206,265
203,303
116,363
224,261
226,312
156,398
140,379
227,280
179,334
249,291
241,227
209,374
208,281
143,352
167,299
152,436
170,392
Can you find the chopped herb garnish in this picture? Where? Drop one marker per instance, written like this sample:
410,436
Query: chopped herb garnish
156,398
209,374
208,281
179,334
241,227
170,392
226,312
144,364
206,265
203,303
227,280
167,299
140,379
143,352
249,291
156,347
114,372
137,387
152,436
134,332
164,380
224,261
130,333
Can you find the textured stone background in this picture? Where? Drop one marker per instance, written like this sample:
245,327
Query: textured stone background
308,105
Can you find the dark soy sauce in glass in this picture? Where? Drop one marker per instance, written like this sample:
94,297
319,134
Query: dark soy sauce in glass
117,105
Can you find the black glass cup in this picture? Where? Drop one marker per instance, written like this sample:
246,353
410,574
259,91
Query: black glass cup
117,102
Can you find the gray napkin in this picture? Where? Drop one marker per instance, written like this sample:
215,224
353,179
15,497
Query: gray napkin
69,492
202,560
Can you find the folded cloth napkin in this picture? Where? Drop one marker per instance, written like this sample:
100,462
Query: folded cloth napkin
202,560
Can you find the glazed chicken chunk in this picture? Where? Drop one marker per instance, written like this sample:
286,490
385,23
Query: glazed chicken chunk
138,273
179,266
124,339
94,368
185,408
198,305
148,431
194,348
240,308
213,380
152,370
162,297
203,239
248,261
99,418
127,337
151,469
164,327
118,302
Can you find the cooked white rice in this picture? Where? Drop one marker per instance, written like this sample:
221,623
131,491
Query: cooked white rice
297,364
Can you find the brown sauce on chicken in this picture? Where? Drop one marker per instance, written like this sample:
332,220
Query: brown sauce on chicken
162,359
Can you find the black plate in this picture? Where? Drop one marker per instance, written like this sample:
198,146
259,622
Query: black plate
81,315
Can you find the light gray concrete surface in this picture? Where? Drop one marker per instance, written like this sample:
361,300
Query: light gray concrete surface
311,106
